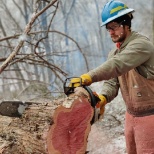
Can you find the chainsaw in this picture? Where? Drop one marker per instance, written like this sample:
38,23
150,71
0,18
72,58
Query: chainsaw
13,108
16,108
94,98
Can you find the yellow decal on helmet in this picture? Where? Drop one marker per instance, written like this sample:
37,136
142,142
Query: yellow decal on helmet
118,9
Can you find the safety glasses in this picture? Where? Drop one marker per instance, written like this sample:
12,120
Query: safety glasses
114,27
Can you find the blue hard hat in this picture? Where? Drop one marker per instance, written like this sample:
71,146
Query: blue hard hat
113,10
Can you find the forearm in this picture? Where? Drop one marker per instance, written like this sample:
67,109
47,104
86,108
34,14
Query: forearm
110,89
132,56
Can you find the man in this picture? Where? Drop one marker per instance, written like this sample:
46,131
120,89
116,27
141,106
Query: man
129,67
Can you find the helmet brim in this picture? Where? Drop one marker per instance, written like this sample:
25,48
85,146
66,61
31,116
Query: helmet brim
120,13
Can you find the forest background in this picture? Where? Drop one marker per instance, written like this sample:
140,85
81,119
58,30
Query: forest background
43,42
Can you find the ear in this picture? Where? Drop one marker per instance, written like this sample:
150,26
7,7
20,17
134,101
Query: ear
126,27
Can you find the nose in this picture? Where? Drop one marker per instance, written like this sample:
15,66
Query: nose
111,31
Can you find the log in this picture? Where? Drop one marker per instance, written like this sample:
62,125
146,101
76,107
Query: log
69,133
35,130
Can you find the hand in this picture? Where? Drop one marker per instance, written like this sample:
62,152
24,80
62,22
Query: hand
101,104
86,80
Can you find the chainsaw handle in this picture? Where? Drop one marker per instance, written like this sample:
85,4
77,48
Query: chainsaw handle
94,101
70,89
92,96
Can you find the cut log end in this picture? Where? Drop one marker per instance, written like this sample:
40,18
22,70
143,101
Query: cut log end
71,128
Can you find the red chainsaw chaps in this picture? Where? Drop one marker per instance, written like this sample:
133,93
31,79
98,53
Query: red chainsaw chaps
69,133
139,133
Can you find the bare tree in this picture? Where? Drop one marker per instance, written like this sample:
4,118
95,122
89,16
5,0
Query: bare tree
30,57
34,57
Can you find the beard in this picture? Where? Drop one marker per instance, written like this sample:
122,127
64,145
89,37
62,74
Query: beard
118,38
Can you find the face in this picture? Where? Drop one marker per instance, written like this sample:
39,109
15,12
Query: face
117,31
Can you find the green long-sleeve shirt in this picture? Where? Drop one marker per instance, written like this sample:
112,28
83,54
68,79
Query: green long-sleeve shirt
137,52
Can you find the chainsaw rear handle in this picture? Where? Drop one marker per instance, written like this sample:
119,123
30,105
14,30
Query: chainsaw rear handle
92,96
94,101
